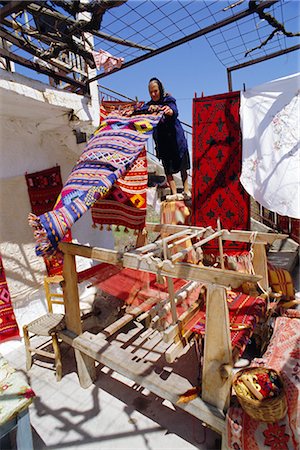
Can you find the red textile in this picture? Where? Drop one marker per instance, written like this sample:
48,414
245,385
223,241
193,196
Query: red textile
217,191
8,324
107,106
244,310
130,285
43,188
126,203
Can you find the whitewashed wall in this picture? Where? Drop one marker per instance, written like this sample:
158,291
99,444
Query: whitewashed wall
35,134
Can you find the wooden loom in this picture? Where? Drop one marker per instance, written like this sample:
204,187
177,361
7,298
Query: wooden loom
146,355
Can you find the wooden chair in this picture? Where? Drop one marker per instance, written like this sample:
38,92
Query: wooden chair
53,297
46,325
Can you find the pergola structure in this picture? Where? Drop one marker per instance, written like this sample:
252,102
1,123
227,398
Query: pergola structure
51,37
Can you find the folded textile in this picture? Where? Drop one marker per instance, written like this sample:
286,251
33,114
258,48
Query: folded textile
108,155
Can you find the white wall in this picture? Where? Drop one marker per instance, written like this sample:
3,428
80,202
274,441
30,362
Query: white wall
29,143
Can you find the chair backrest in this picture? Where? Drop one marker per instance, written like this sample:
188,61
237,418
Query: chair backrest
53,298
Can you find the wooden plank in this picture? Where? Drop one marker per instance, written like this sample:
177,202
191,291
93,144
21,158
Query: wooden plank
146,375
217,360
232,235
173,330
220,245
247,236
260,266
128,317
85,368
85,364
180,295
188,271
98,254
71,295
194,246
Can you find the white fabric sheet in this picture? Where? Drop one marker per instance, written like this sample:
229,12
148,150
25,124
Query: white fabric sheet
270,123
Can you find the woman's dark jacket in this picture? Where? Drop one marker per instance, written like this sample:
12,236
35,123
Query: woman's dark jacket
169,135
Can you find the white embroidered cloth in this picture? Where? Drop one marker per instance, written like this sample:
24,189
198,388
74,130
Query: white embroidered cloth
270,123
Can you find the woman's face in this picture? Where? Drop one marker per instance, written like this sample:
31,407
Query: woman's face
154,91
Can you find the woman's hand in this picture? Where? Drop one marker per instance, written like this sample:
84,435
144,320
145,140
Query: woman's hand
167,110
154,108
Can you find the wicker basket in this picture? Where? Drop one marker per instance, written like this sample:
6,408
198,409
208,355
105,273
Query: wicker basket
266,410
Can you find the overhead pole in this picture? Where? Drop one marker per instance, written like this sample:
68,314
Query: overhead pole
202,32
257,60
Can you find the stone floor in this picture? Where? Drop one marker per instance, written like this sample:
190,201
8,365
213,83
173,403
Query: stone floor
114,413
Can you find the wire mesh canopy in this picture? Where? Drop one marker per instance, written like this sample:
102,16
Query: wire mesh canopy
52,37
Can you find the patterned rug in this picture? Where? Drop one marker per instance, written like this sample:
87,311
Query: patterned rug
282,355
43,189
245,312
8,325
126,204
217,191
108,155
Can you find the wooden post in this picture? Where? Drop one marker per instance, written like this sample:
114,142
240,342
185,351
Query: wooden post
260,266
217,361
170,284
85,364
220,245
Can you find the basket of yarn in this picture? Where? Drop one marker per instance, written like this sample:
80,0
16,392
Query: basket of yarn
260,392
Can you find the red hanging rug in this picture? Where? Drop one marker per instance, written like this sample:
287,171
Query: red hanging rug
217,156
8,324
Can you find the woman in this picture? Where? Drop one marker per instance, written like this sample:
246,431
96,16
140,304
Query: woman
170,141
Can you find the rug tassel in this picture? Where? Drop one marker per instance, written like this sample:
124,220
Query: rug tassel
108,228
101,227
117,228
126,230
94,225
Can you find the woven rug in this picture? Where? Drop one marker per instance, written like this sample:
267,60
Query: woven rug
126,203
43,189
8,324
245,312
116,106
108,155
217,191
283,355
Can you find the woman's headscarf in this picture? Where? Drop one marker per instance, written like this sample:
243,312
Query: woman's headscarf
160,86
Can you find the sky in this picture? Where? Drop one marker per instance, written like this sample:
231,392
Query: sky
192,69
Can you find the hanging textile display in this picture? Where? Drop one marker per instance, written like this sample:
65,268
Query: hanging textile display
108,155
8,324
43,189
217,192
126,203
116,106
271,158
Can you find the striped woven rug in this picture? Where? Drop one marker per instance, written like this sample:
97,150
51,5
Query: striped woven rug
108,155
